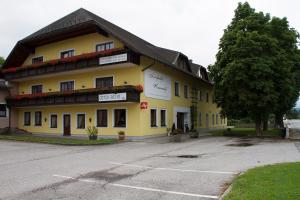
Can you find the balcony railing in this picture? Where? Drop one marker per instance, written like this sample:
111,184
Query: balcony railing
83,61
129,93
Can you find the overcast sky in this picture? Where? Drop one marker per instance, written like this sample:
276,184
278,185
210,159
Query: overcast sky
193,27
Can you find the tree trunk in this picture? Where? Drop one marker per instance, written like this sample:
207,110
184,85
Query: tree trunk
258,127
279,121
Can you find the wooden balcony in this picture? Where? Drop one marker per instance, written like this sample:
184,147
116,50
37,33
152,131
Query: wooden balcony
83,61
82,96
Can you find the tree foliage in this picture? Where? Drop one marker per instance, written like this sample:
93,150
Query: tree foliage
1,61
253,72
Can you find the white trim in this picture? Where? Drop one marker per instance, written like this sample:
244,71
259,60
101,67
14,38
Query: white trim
113,117
76,121
30,87
96,119
34,124
59,84
63,114
156,123
104,43
37,57
166,117
178,89
50,114
59,54
104,76
187,91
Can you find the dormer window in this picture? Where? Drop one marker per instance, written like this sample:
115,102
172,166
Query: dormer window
105,46
67,54
37,60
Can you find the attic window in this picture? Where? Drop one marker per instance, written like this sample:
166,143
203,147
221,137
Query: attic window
67,54
104,46
37,60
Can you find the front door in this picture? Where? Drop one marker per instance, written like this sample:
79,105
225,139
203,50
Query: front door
67,124
180,121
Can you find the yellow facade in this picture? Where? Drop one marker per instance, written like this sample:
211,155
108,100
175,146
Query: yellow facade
138,120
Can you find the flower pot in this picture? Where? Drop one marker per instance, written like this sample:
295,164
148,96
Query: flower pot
93,137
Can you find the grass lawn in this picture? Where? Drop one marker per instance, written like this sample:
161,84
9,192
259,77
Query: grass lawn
247,132
272,182
56,140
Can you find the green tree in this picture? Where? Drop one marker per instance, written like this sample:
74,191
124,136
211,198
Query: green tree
1,61
248,67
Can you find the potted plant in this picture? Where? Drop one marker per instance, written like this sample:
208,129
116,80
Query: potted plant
92,132
121,135
194,133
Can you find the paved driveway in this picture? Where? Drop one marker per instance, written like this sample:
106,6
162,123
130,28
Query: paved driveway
195,169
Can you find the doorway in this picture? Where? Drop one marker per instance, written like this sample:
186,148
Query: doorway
67,124
180,121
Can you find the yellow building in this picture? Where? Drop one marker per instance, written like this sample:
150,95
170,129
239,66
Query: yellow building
84,71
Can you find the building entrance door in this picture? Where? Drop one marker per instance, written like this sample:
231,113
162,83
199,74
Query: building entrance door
180,121
67,124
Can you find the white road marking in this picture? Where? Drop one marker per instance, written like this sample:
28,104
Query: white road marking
172,169
165,191
141,188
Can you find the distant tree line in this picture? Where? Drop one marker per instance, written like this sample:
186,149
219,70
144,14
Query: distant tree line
257,68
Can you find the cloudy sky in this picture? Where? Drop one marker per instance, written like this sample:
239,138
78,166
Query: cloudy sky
193,27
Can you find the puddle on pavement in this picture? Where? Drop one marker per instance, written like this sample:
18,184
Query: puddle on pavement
188,156
242,144
107,176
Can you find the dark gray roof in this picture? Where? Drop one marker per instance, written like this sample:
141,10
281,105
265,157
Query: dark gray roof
82,16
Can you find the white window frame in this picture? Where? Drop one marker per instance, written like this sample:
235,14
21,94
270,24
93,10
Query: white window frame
37,57
50,114
166,117
96,119
59,84
7,110
34,124
113,117
100,43
104,76
76,121
59,54
178,89
156,122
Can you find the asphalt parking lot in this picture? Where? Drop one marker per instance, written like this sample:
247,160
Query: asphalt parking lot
195,169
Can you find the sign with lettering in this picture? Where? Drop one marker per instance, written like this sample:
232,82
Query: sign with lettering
157,85
112,97
113,59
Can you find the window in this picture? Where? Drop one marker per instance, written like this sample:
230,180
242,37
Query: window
37,60
213,119
67,86
26,118
101,118
207,97
104,46
3,110
66,54
217,119
81,121
38,118
163,118
200,119
221,120
153,118
36,89
200,95
105,82
177,89
185,91
119,118
53,121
